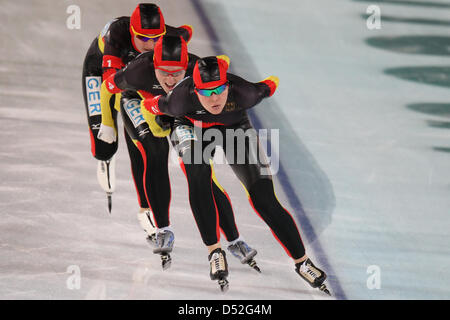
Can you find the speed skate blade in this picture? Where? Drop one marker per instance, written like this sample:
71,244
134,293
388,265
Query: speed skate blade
109,195
106,174
224,285
166,261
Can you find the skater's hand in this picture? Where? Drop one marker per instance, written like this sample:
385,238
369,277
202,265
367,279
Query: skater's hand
107,134
272,83
151,105
163,121
189,29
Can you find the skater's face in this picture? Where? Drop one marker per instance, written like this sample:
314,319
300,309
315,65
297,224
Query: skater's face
169,76
144,46
215,102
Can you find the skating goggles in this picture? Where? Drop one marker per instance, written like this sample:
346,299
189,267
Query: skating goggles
146,37
208,92
173,73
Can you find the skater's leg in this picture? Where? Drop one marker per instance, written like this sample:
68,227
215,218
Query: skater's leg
137,171
156,177
102,151
280,221
227,221
144,215
200,181
237,245
91,83
154,155
259,187
202,202
262,197
258,184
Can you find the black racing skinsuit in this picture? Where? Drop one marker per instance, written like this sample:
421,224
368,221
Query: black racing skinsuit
191,121
139,75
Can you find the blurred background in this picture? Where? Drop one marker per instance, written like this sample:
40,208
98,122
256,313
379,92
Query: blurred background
364,148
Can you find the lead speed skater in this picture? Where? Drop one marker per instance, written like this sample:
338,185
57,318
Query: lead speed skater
213,99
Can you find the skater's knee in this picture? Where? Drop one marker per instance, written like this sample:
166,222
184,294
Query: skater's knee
262,194
210,241
198,174
103,155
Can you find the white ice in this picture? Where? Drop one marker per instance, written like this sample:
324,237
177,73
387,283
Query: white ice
362,164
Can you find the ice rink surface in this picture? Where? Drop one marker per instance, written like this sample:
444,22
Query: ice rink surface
363,119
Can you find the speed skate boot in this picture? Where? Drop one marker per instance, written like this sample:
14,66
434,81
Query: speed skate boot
106,177
312,274
219,268
146,221
244,253
164,245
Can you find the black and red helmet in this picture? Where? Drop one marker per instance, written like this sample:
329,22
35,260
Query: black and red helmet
171,51
211,71
147,20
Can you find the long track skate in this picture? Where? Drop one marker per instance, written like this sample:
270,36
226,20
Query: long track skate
252,264
166,261
146,221
224,285
244,253
219,269
164,242
313,275
106,177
